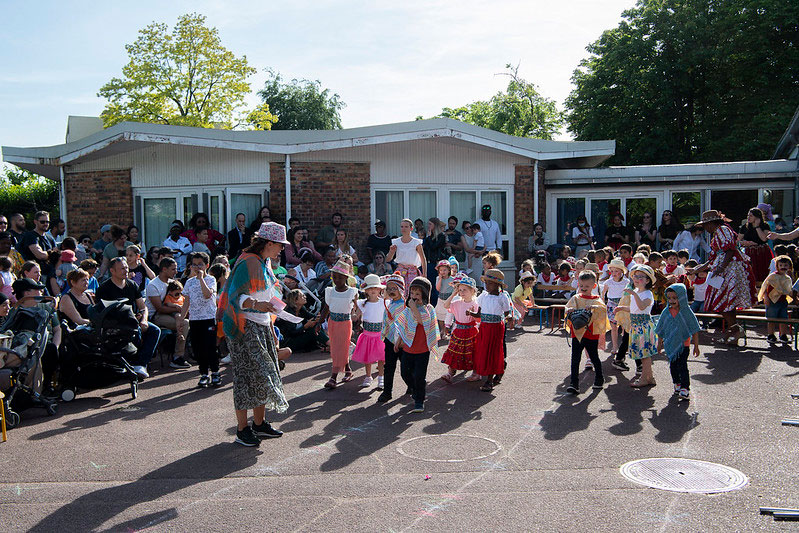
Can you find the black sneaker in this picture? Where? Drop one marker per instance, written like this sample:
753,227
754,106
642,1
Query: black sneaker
216,379
384,397
571,389
418,407
179,362
246,437
409,392
204,382
598,386
264,430
771,338
785,340
620,365
281,365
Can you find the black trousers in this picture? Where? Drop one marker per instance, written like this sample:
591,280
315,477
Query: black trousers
203,341
623,347
679,369
390,366
413,368
590,346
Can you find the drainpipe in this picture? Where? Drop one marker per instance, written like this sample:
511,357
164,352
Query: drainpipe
288,188
62,198
535,192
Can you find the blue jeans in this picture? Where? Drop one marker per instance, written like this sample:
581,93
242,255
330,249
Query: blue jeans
697,306
147,343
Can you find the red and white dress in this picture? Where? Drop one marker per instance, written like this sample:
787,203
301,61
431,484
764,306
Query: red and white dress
737,289
489,354
460,352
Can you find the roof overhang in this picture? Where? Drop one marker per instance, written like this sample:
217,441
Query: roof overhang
128,136
790,139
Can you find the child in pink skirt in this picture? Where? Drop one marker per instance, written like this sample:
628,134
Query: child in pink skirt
370,348
460,352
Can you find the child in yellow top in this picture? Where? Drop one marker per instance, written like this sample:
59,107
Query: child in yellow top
776,293
522,296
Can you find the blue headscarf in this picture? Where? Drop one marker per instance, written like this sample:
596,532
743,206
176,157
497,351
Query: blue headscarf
673,330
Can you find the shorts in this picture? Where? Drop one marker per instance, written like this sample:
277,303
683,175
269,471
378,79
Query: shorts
777,310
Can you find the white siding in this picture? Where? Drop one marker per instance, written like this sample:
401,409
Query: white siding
176,166
427,162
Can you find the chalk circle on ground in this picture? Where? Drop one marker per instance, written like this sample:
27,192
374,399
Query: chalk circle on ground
448,448
684,475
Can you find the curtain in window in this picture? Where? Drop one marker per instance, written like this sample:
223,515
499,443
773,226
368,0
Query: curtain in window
158,216
390,208
422,204
463,205
249,204
499,208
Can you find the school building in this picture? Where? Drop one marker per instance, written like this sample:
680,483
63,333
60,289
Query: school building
150,174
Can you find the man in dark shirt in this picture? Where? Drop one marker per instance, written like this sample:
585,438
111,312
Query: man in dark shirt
239,237
119,287
378,241
16,228
36,243
454,245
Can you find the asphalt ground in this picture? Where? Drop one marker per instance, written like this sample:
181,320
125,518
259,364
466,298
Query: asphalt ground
526,457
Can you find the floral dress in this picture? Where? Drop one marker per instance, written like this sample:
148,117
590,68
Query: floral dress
643,342
737,289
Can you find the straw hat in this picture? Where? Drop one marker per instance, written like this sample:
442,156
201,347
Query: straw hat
372,281
496,276
342,268
712,215
646,269
526,275
618,263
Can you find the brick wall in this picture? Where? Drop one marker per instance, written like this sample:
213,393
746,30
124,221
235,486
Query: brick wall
320,189
97,198
523,209
542,198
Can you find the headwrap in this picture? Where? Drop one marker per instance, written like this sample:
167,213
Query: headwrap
250,275
674,330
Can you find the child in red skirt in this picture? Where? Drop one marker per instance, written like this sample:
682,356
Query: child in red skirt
460,352
494,308
369,348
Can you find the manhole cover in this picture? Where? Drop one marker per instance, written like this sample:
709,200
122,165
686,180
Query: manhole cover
683,475
450,448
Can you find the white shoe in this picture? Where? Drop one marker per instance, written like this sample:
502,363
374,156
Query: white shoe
367,382
380,382
225,360
141,371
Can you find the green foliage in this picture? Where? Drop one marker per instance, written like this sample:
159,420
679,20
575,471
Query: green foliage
301,104
185,78
520,110
682,81
24,192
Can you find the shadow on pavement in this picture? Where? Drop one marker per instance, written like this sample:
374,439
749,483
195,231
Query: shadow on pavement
91,511
674,421
725,365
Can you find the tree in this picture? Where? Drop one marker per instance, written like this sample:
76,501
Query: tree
519,111
301,104
184,78
22,191
682,81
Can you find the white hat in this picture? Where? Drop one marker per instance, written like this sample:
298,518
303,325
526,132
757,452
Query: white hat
372,281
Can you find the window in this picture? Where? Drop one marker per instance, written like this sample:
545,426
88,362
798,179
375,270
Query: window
189,208
601,210
636,207
734,204
568,211
390,208
158,216
781,202
686,207
249,204
422,204
463,205
498,200
214,213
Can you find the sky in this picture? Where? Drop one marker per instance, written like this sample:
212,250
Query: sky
388,61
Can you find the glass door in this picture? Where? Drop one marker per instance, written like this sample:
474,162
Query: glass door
214,205
158,214
601,210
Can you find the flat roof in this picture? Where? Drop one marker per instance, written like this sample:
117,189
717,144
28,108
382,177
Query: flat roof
127,136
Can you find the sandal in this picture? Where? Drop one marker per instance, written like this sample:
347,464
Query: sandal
347,377
447,377
640,385
488,386
331,383
474,377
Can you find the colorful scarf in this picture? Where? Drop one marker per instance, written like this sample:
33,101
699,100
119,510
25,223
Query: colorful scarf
393,309
405,325
781,286
250,275
674,330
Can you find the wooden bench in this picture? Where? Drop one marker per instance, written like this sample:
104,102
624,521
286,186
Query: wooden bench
753,316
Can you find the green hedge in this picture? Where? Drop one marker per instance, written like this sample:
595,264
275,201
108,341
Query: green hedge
28,197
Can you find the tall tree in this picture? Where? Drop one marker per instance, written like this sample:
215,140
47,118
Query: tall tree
184,77
520,110
301,104
682,81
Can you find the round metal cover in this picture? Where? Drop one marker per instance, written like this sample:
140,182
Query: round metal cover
683,475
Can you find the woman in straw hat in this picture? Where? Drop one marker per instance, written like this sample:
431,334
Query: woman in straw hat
247,298
340,299
731,284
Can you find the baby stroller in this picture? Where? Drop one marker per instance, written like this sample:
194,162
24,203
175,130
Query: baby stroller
96,356
25,340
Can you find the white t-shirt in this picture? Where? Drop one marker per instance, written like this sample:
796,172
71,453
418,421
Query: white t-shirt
201,308
479,241
339,252
372,311
340,302
577,233
699,291
305,278
493,305
155,289
406,252
491,233
616,288
644,295
543,280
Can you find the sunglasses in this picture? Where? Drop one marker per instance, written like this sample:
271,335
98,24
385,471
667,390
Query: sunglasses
43,221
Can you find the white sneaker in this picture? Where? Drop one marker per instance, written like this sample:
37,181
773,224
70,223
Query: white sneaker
141,371
225,360
367,382
380,382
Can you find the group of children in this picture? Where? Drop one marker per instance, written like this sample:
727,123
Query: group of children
400,326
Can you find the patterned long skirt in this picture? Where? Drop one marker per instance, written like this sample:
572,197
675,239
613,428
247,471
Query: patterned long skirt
737,290
256,377
460,352
643,342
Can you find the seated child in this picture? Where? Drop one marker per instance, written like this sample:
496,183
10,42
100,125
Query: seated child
174,296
